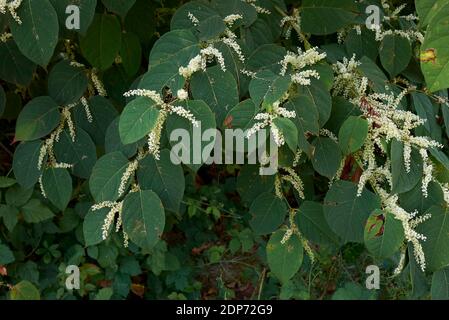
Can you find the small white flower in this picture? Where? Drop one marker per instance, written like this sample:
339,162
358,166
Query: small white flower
182,94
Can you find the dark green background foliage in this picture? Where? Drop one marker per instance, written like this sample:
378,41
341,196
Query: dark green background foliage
212,231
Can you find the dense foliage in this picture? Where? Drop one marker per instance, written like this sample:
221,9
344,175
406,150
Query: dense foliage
356,104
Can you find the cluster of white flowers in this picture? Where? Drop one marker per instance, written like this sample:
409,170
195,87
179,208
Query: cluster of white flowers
86,107
5,36
229,39
293,229
266,119
182,94
98,85
115,209
290,22
129,172
154,136
12,7
231,19
199,62
293,178
193,19
348,81
301,59
258,8
409,223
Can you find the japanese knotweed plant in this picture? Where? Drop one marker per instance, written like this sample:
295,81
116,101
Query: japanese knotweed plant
352,93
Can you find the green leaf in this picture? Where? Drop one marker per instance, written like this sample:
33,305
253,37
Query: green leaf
415,200
120,7
131,53
242,115
57,185
322,17
179,46
14,66
312,224
320,98
25,163
103,113
268,87
200,10
434,52
35,211
440,285
113,142
404,181
81,153
93,226
217,88
66,84
137,120
161,76
284,259
211,27
106,176
363,44
24,290
384,234
427,9
6,255
346,213
327,157
38,118
250,184
10,216
164,178
289,131
143,218
436,246
395,53
102,41
37,35
268,212
18,196
6,182
228,7
141,20
352,134
104,294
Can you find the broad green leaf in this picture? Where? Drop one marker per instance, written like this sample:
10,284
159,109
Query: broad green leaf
284,259
37,35
395,53
81,153
415,200
427,9
268,87
86,9
14,66
266,57
320,97
268,212
161,76
164,178
217,88
434,53
35,211
66,84
312,224
141,20
436,246
211,27
353,291
143,218
104,294
10,215
38,118
17,196
57,185
364,44
25,163
289,131
120,7
103,113
250,184
384,234
93,226
6,182
242,115
189,148
352,134
346,213
425,110
307,116
106,176
137,120
6,255
322,17
327,157
24,290
256,35
102,41
342,109
404,181
440,285
179,46
374,74
198,9
113,142
131,53
228,7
